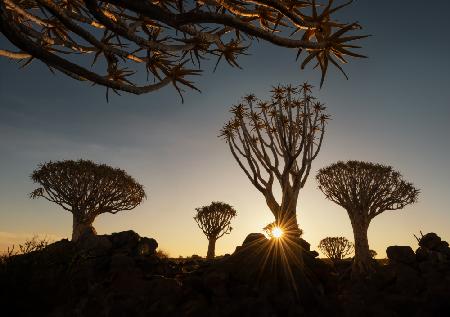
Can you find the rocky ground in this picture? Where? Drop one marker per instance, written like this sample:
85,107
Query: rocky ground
121,275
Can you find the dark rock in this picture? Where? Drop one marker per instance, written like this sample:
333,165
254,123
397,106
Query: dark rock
121,262
254,238
401,254
430,241
304,244
422,254
94,245
147,246
215,281
125,240
314,253
407,280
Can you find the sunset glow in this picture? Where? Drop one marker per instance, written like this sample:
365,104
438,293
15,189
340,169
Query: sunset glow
277,232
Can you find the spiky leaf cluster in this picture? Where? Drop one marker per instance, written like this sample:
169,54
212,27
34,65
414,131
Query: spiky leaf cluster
335,248
366,187
215,219
167,38
87,189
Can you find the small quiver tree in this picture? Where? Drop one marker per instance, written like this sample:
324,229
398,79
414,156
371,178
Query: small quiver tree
274,142
86,189
365,190
214,220
335,248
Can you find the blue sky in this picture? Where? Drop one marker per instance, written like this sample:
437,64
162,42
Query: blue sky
394,109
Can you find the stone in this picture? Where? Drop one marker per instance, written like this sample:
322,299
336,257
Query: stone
147,246
125,240
430,241
422,254
304,244
215,281
254,238
401,254
121,262
97,245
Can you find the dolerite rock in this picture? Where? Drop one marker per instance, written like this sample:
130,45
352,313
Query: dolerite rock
94,245
121,262
254,238
430,241
401,254
147,246
304,244
125,240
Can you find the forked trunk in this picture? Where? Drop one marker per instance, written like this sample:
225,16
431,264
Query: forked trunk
81,227
211,248
362,263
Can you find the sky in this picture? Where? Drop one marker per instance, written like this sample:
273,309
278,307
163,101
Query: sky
394,109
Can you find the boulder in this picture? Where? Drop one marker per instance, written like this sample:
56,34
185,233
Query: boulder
401,254
430,241
147,246
121,262
304,244
126,240
93,244
254,238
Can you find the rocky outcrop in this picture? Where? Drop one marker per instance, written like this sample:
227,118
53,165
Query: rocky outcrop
120,275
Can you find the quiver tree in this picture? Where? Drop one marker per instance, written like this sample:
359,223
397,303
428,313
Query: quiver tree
277,140
215,221
167,39
335,248
365,190
86,189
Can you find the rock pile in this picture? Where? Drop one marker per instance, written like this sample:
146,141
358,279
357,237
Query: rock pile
121,275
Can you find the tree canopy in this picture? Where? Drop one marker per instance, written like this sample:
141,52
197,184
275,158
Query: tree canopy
106,42
370,187
86,189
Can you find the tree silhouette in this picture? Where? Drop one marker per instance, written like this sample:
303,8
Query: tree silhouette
168,38
278,140
86,189
365,190
214,220
335,248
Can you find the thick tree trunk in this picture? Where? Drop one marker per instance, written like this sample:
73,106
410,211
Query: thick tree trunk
362,263
211,248
81,227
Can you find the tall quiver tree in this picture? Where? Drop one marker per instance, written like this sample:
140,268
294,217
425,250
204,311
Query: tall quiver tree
86,189
215,221
365,190
278,140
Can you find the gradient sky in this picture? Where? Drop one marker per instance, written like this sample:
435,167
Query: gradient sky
395,109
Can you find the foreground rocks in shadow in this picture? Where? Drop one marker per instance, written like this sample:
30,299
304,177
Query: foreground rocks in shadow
121,275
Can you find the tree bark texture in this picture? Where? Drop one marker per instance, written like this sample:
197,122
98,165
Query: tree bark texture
81,227
211,248
362,263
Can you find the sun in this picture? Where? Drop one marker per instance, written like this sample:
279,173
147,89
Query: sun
277,232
